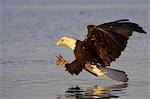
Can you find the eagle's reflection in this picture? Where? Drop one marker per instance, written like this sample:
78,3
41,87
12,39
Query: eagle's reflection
96,92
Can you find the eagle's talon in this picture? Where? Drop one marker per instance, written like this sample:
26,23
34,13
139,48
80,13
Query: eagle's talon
60,60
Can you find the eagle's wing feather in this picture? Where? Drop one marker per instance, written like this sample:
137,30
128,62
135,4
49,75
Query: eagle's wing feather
107,40
123,27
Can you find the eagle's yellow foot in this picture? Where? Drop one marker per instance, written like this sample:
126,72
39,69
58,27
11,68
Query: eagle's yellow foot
60,60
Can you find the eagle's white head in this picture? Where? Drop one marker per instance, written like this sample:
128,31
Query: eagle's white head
70,42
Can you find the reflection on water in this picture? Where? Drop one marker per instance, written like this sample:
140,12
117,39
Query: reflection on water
96,92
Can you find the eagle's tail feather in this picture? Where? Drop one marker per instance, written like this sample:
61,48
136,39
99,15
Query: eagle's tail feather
100,71
114,74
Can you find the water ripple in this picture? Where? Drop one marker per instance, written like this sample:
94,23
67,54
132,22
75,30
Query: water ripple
95,92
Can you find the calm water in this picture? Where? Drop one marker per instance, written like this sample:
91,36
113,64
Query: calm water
28,69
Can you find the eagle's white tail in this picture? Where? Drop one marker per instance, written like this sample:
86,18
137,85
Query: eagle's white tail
114,74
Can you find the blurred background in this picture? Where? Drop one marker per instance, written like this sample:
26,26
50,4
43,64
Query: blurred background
29,30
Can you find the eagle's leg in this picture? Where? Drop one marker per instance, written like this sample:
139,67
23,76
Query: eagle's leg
60,60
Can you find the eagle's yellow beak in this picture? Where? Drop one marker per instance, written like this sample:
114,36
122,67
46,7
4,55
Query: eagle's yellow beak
58,43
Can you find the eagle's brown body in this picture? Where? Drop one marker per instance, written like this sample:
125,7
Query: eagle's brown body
83,56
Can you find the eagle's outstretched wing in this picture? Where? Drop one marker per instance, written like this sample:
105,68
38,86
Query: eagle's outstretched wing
106,41
123,27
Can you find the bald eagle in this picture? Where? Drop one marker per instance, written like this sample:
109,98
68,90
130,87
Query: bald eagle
103,44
